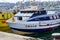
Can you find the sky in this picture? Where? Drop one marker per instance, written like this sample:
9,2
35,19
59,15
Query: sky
14,1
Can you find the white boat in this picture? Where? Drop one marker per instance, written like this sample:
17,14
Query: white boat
32,20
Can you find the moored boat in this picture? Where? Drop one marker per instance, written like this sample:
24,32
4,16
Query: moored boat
34,20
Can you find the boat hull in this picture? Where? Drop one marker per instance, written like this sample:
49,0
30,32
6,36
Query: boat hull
35,30
38,29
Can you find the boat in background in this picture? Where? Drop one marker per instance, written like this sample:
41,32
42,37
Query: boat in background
34,20
4,15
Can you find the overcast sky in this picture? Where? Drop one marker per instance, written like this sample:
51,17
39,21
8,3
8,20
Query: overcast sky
14,1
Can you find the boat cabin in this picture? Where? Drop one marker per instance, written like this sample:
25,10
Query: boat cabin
25,15
40,15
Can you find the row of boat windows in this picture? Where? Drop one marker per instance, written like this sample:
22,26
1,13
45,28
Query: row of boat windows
42,18
40,12
28,11
46,18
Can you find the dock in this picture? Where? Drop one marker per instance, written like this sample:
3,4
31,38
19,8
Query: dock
56,36
11,36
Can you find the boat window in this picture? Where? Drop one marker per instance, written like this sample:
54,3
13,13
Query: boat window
41,19
59,16
28,11
47,18
43,12
51,18
2,15
55,17
19,18
25,18
44,18
37,19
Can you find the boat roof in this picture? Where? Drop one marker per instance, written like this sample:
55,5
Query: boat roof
49,13
29,9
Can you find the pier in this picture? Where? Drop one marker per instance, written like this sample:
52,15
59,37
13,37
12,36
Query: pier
56,36
10,36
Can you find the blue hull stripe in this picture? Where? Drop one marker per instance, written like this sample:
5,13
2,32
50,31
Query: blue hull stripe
35,30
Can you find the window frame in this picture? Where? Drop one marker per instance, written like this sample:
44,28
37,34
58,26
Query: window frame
19,18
